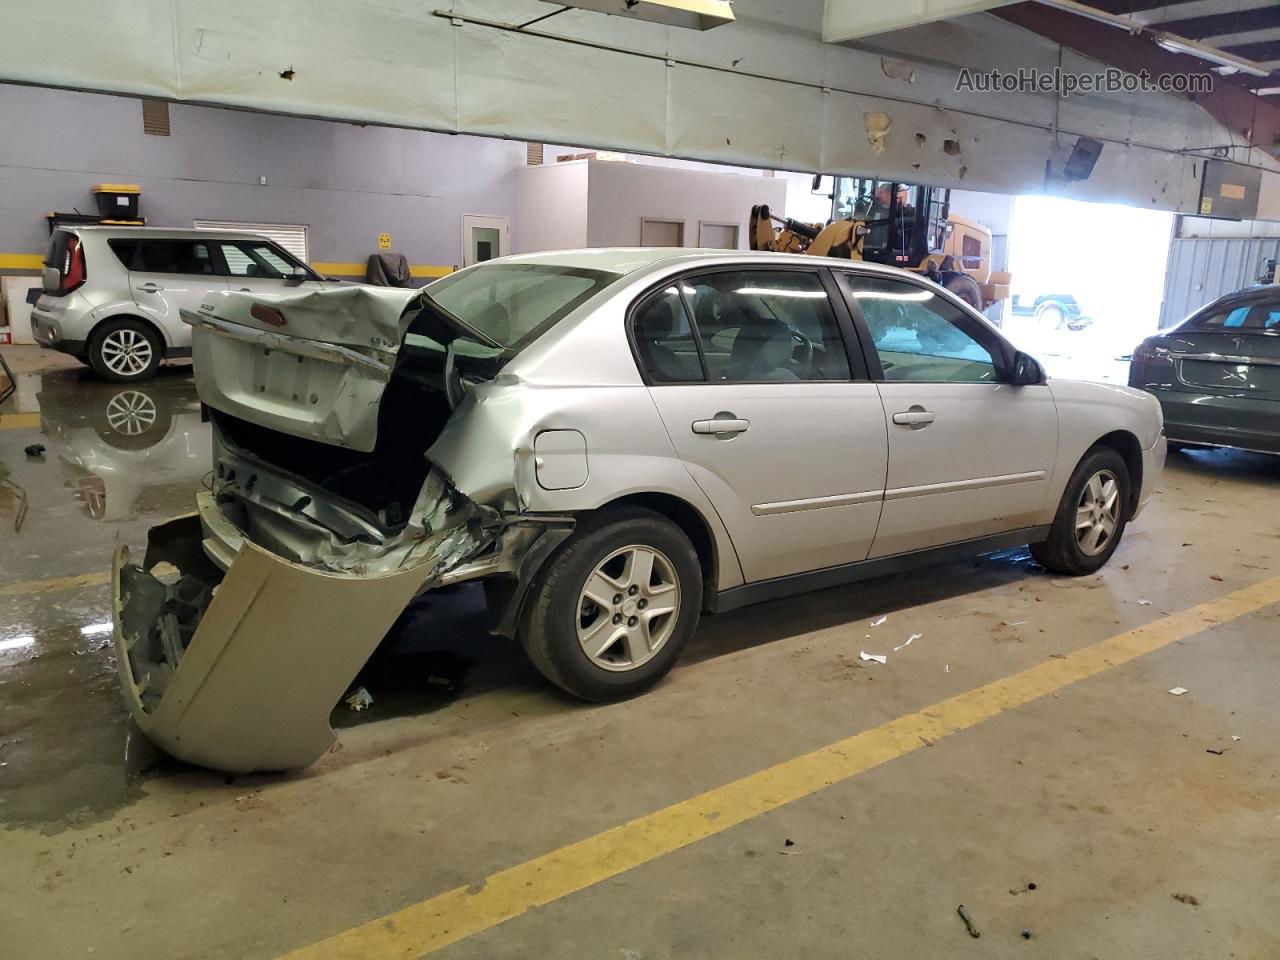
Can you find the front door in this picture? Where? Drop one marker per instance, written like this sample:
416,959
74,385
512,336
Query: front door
166,276
969,455
484,238
763,406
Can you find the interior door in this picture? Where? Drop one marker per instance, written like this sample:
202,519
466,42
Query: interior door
969,455
166,276
762,405
484,238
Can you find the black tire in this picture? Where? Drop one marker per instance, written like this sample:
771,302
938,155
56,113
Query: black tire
966,288
553,610
1062,552
103,338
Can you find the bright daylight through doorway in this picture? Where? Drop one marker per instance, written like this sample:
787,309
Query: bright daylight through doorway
1088,280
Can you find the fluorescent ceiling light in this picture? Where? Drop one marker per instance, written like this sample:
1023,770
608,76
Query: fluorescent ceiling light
17,643
96,629
1167,41
919,296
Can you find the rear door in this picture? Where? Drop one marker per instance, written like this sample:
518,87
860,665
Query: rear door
168,276
969,455
770,411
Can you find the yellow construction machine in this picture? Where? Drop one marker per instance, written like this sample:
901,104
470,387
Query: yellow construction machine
901,224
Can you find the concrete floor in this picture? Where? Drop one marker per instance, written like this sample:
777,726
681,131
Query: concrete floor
1102,795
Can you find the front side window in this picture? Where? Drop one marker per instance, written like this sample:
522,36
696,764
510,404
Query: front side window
514,303
921,336
758,326
253,258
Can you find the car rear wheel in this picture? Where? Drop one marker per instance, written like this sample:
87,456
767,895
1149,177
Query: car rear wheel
1091,516
1051,315
125,351
612,611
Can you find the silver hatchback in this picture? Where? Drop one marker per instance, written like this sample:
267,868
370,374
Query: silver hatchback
112,295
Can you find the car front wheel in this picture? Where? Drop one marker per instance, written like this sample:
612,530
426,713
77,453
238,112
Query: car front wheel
614,608
1091,516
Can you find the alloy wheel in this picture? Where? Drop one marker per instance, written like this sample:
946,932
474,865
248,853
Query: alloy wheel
628,607
126,352
1098,513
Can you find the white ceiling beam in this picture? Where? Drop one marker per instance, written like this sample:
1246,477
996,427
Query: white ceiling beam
852,19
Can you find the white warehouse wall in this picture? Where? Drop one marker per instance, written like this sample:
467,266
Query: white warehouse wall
552,207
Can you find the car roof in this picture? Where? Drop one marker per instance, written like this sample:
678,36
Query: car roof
626,260
162,233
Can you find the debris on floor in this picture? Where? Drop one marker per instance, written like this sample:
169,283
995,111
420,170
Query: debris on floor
1186,898
876,623
359,700
877,657
968,922
914,636
1026,934
34,450
1217,753
1178,691
1144,603
1234,737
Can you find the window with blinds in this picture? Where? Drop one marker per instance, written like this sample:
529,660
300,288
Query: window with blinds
290,236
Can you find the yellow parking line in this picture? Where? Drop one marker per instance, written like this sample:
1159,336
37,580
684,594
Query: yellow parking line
15,421
456,914
58,583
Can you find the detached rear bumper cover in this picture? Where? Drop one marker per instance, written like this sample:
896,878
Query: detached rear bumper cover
239,672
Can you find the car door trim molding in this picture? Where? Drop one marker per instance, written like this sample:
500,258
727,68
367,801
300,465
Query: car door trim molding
954,486
814,503
762,591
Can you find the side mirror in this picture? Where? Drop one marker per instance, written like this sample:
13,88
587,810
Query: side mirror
298,276
1026,370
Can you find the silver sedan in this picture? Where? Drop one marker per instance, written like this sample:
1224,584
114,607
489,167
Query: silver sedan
617,442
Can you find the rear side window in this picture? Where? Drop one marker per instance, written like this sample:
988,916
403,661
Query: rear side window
125,251
664,339
761,326
191,257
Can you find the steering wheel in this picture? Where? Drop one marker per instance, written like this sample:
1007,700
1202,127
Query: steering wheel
802,354
454,387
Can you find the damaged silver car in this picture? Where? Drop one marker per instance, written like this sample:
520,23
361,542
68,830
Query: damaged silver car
615,441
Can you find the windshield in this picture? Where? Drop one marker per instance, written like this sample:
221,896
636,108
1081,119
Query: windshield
515,303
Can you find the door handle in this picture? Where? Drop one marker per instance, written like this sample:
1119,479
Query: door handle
151,288
720,425
916,417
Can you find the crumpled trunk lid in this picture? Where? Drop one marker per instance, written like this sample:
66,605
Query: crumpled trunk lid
313,365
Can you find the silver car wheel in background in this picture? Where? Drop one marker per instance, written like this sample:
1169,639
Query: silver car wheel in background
131,413
126,352
628,607
1098,513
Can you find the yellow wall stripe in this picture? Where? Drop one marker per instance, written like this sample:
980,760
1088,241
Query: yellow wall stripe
21,261
59,583
16,421
452,916
35,261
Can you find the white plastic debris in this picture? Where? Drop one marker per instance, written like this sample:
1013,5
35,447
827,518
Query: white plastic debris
1178,691
876,623
361,699
877,657
914,636
1144,603
1234,737
947,668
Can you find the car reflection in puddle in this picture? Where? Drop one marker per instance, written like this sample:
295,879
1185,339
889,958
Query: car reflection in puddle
126,450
